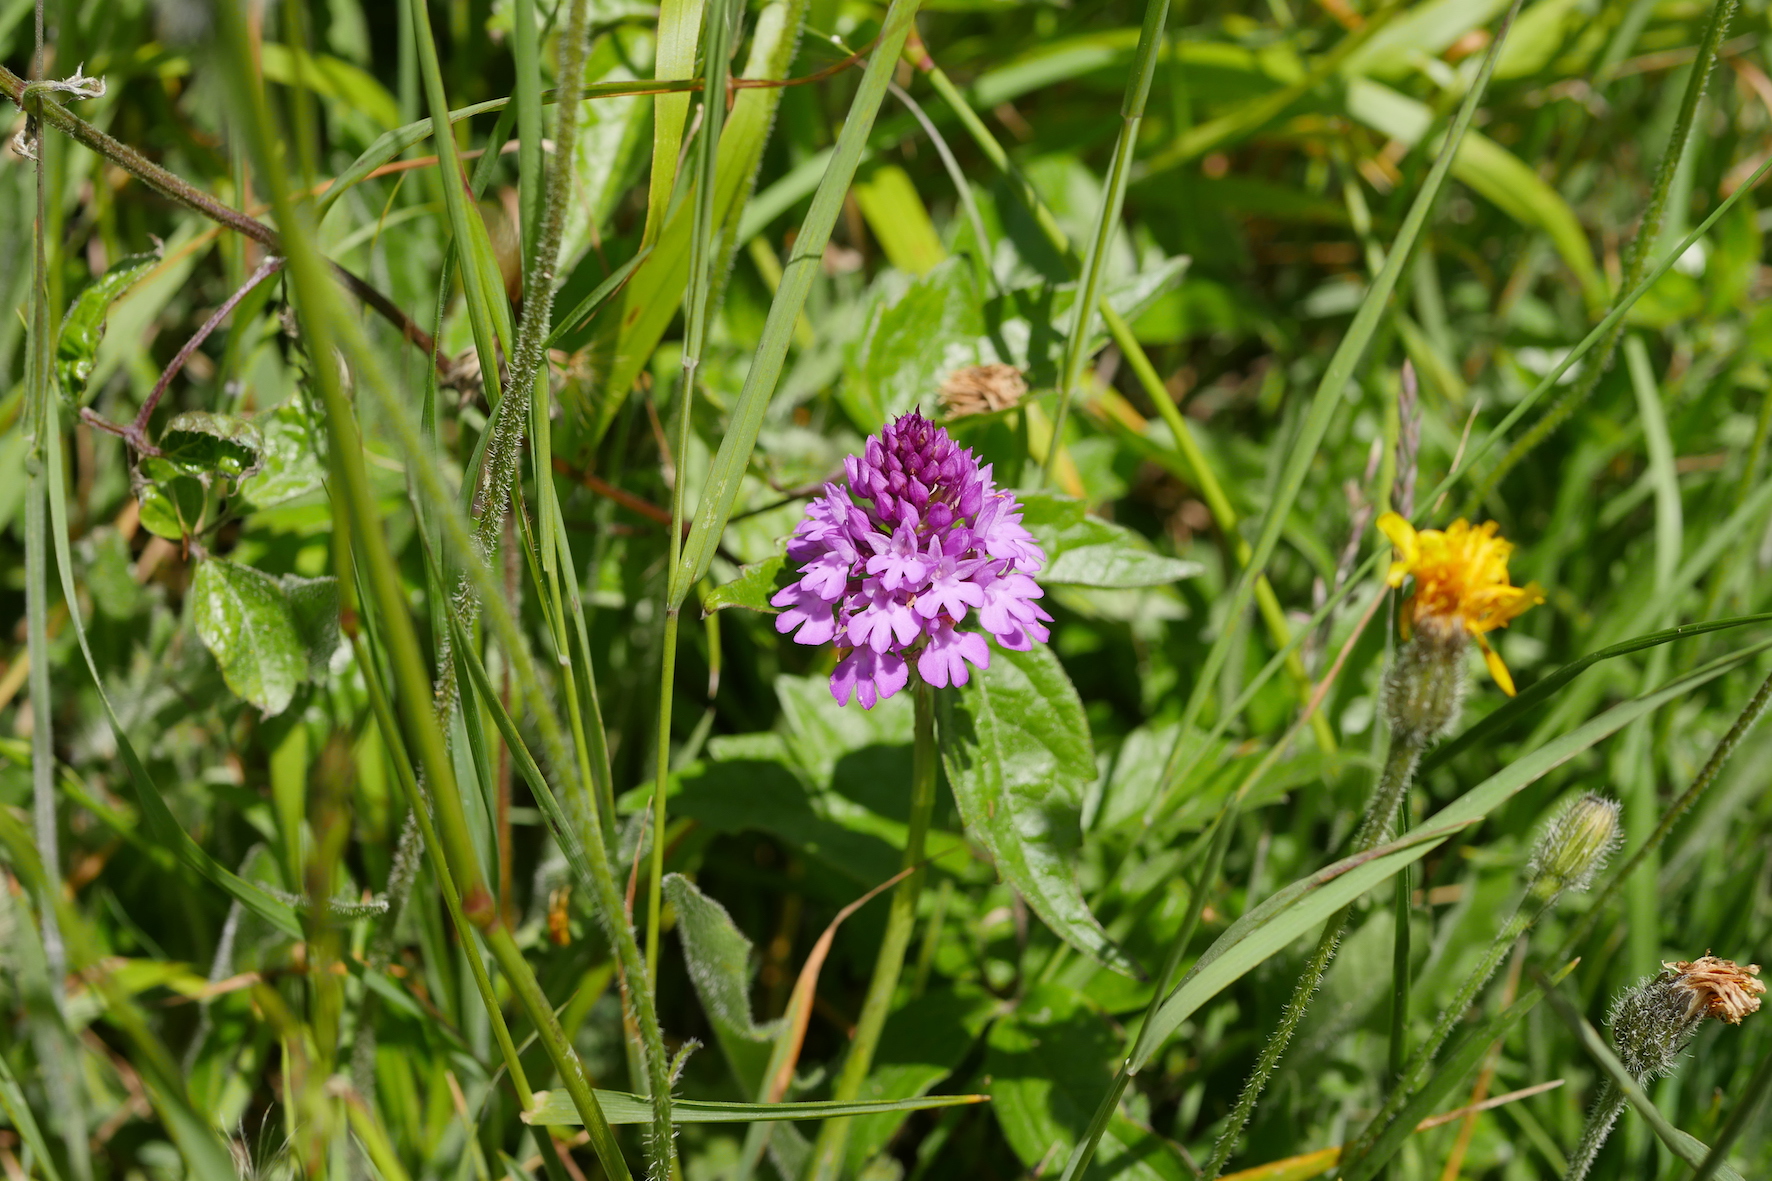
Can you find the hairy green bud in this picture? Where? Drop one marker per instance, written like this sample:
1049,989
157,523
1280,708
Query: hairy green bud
1424,688
1576,845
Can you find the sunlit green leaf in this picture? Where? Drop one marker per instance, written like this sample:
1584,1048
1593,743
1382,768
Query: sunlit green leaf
1017,751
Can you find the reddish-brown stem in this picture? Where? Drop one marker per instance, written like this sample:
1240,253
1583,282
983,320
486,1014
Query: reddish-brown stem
177,189
265,270
137,432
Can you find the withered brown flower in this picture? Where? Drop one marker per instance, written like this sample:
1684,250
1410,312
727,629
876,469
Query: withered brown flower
980,389
1721,988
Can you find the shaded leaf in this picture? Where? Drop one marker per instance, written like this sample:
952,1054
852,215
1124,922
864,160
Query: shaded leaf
719,959
313,606
198,443
171,508
1049,1062
920,1047
83,328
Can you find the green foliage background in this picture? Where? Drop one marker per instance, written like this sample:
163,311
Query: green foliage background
151,1022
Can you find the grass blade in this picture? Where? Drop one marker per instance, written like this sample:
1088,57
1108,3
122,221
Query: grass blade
1303,905
1328,396
554,1109
803,263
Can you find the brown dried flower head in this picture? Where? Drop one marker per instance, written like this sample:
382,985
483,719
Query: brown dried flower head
1720,988
980,389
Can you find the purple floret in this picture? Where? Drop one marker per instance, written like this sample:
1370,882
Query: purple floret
920,541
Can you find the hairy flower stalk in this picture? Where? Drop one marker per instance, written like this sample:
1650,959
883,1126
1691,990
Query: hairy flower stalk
893,582
1461,591
1573,848
1653,1023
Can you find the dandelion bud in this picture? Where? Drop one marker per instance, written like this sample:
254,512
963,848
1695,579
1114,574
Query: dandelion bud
1424,687
1576,845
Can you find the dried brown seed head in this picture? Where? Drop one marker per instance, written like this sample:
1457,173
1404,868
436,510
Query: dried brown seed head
1720,988
980,389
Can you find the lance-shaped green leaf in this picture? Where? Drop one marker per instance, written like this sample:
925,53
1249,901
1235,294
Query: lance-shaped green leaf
1016,747
1087,551
554,1109
1306,903
719,958
83,327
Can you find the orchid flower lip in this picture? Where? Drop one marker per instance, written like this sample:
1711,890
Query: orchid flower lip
920,542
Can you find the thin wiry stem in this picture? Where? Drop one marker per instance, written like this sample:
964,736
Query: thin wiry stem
1399,770
137,431
1707,775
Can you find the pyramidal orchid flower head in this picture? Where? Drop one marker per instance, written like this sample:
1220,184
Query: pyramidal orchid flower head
920,546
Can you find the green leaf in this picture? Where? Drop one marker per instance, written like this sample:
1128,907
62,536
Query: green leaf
288,466
554,1109
199,443
1049,1061
83,327
1016,747
719,959
1087,551
899,219
313,606
1306,903
915,334
922,1044
247,623
171,508
328,77
751,589
679,29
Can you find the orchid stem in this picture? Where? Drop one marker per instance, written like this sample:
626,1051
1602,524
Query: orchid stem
833,1137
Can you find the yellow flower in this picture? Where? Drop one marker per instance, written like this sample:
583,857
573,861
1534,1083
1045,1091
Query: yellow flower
1460,580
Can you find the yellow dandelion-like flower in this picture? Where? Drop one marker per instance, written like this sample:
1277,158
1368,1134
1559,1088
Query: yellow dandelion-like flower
1460,581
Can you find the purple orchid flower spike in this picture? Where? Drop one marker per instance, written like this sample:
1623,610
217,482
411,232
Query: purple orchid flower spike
890,580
